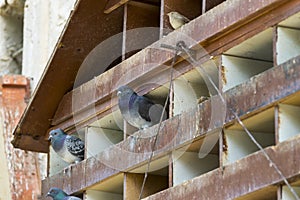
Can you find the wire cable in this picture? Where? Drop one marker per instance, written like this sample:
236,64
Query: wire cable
273,164
176,50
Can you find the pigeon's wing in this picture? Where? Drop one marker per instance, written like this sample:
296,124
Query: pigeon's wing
72,198
185,19
182,17
144,105
75,146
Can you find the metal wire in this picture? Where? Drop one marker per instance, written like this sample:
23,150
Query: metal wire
176,50
273,164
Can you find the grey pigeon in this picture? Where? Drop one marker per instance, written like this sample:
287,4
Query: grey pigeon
68,147
58,194
177,20
139,111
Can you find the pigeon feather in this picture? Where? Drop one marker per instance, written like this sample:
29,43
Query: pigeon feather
75,146
59,194
139,111
68,147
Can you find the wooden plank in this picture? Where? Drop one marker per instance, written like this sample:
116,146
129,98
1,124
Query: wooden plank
183,129
246,176
112,5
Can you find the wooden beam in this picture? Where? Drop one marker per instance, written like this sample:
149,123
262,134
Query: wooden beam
112,5
183,129
214,38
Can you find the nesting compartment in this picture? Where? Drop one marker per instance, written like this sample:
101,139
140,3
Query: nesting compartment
288,118
189,162
237,144
194,87
108,189
247,59
139,32
288,39
157,179
103,134
286,193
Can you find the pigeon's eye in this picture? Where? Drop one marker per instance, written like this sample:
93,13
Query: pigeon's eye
55,133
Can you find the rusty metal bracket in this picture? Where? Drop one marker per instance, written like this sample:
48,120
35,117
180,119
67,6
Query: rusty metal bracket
180,47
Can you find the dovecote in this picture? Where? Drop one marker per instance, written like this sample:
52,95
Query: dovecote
249,49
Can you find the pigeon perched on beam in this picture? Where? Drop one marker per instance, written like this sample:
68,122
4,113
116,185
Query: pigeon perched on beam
68,147
138,111
58,194
177,20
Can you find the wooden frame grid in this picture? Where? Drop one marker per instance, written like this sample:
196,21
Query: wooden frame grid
253,65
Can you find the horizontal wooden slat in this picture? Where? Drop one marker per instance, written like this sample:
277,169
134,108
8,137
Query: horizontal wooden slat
260,92
111,5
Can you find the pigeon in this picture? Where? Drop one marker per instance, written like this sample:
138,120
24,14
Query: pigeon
58,194
177,20
138,111
68,147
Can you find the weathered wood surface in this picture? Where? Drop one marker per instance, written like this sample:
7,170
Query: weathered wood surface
96,96
242,177
87,27
260,92
237,20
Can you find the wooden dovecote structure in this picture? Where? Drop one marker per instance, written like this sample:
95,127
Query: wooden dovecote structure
251,50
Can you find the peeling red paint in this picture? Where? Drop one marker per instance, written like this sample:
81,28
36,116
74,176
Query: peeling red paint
23,166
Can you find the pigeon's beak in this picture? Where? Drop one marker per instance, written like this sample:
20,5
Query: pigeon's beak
49,138
119,93
48,194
